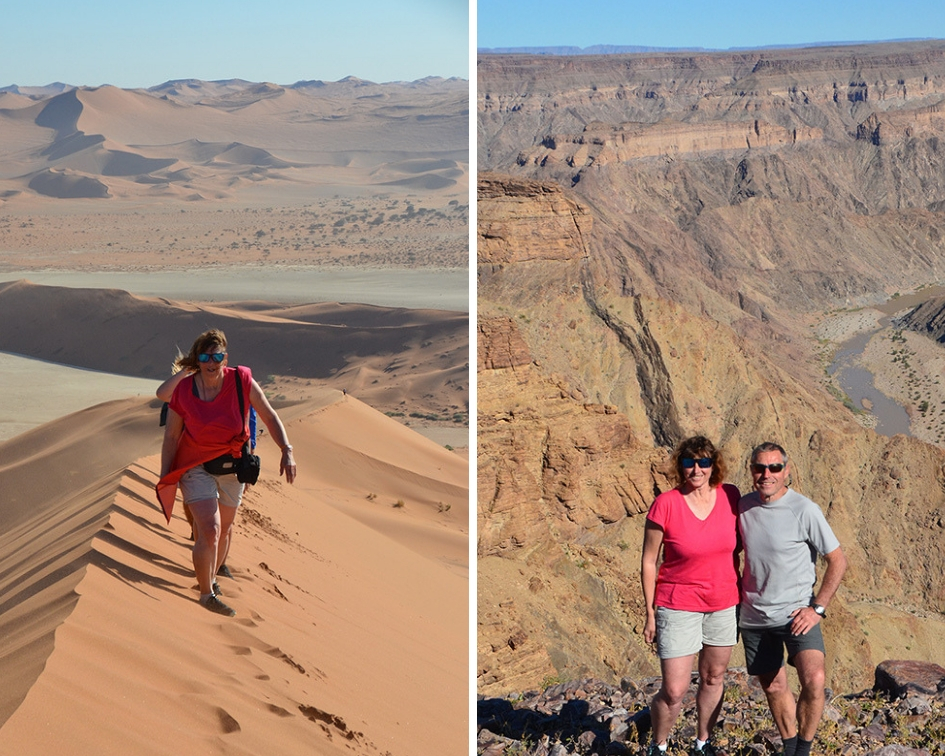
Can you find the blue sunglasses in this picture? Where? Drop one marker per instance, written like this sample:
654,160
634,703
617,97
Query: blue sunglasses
216,357
688,462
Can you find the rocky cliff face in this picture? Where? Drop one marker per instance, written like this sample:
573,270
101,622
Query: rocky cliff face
759,183
817,92
927,318
590,370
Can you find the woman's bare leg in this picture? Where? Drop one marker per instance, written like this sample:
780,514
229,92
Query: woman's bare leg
206,516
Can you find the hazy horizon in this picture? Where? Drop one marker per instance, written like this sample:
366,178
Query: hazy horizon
132,45
692,25
74,85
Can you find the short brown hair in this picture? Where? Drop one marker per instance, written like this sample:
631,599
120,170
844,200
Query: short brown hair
694,448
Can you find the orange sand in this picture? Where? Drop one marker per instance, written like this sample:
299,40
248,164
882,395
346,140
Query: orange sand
351,632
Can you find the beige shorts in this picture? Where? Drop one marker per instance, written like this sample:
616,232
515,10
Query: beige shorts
680,633
198,485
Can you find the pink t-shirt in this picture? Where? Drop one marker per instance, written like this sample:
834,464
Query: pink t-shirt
210,429
699,572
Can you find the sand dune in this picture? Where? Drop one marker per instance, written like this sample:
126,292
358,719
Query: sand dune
351,586
105,142
392,472
16,100
408,360
348,638
67,185
199,174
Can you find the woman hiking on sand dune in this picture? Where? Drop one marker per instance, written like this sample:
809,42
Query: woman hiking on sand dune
204,422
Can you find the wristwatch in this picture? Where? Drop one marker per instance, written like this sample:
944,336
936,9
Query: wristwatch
821,610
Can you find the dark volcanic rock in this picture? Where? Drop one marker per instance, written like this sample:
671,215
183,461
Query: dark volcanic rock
590,717
901,678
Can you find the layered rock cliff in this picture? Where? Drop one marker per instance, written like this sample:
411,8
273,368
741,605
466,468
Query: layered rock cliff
740,183
594,361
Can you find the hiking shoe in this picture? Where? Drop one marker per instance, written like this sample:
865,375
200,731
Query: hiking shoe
224,571
707,750
654,750
215,605
216,589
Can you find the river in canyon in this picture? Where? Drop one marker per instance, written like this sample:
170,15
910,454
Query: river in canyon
857,381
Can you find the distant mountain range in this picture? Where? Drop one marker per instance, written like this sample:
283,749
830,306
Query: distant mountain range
58,87
630,49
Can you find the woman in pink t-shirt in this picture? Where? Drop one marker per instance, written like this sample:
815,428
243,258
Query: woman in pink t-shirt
691,597
208,418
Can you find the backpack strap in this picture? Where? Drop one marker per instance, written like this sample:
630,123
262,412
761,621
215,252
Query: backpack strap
248,444
239,395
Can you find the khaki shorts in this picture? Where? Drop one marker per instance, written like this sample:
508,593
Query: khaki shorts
680,633
198,485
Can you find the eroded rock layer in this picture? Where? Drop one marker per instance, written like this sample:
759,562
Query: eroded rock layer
655,235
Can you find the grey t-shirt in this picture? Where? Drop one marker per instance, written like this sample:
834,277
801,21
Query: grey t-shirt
781,541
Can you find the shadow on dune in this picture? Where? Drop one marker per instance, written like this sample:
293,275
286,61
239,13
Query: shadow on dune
177,567
59,482
294,343
132,577
68,185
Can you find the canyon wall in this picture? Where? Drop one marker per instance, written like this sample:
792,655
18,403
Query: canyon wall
630,301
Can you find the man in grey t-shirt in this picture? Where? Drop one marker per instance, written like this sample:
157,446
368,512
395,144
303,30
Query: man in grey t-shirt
782,533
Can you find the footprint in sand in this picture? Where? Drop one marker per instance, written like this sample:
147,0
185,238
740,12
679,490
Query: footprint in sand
278,653
330,722
244,643
227,723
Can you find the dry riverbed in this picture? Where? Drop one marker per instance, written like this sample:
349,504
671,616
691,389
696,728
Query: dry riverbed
906,366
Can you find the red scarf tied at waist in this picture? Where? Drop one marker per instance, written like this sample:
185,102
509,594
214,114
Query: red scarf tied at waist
211,429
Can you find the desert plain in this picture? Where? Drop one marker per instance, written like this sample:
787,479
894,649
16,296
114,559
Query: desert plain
131,221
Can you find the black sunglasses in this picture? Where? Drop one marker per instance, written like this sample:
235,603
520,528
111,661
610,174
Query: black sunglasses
216,357
688,462
758,468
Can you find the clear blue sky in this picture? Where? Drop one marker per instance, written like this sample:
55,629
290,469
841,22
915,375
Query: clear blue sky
717,24
141,43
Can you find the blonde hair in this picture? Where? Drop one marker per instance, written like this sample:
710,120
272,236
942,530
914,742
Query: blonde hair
207,340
